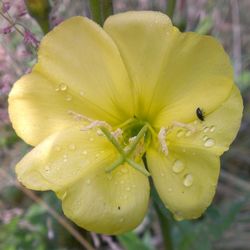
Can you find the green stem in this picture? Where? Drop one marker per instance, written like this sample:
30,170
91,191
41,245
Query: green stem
170,8
165,229
107,9
96,12
163,215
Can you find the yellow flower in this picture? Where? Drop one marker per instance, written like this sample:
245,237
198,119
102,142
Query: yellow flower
99,99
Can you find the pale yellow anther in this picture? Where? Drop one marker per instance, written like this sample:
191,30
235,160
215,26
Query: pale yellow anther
183,125
162,139
117,133
96,124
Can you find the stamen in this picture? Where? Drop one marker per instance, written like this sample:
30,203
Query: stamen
98,124
184,125
117,133
79,117
162,139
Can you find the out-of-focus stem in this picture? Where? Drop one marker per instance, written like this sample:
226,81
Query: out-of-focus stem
96,11
170,8
107,9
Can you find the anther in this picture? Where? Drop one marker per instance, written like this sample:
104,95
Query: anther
162,139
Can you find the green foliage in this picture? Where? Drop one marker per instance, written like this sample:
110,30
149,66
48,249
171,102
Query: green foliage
131,241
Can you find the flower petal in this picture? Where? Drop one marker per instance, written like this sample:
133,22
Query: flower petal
108,203
73,164
63,158
218,129
185,181
171,71
79,64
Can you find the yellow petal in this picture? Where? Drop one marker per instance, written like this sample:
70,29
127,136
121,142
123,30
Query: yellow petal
73,164
107,203
78,64
173,73
218,129
185,181
63,158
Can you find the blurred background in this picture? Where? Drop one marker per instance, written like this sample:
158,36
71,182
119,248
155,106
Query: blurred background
33,220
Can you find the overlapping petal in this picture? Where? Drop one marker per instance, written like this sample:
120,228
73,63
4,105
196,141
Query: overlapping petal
72,163
173,73
79,66
218,129
185,181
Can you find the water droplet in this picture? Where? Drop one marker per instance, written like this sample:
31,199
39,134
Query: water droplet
188,133
180,133
209,143
99,132
206,129
88,181
205,137
63,86
72,147
188,180
178,166
212,128
65,158
68,98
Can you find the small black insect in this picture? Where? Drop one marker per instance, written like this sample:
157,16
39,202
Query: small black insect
119,207
200,114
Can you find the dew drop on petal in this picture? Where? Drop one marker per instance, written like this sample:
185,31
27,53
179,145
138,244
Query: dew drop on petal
84,152
205,137
209,143
180,133
178,166
188,180
65,158
212,128
68,98
63,86
206,129
188,133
